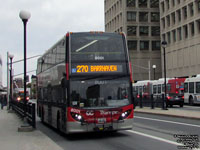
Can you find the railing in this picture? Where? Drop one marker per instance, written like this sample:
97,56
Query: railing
150,101
19,108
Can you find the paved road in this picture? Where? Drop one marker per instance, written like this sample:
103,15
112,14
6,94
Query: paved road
186,107
150,132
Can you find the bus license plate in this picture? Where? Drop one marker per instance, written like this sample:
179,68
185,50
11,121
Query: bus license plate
101,120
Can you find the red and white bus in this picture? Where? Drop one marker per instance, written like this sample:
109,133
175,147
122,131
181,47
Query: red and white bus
175,90
85,83
143,88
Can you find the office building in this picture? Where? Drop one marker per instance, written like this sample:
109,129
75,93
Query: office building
180,28
140,21
1,75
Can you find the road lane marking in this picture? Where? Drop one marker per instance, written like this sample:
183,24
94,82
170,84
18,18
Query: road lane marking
186,124
156,138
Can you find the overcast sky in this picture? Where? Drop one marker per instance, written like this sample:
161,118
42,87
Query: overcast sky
50,20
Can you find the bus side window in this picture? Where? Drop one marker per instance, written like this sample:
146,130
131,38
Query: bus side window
185,87
154,89
191,87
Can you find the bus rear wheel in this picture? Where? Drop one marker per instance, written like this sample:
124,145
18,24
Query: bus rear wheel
191,101
58,123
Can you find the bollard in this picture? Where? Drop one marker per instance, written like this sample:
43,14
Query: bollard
164,102
152,102
33,116
141,105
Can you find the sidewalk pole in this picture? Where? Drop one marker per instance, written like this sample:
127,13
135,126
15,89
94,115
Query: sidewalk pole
8,89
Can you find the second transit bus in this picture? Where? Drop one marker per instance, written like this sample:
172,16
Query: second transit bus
85,83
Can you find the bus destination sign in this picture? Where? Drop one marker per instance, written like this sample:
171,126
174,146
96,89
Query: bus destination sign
96,68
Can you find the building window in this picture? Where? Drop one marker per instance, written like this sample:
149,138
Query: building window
144,30
142,3
179,34
144,45
174,35
169,37
163,37
185,12
131,16
155,45
173,3
163,22
130,3
163,7
185,31
131,30
168,20
155,17
173,18
191,9
198,5
192,28
167,3
198,25
155,31
179,15
154,3
132,45
143,16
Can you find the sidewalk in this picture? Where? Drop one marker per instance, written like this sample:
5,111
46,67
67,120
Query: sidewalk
11,139
170,112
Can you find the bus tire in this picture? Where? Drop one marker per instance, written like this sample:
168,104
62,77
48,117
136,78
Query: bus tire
191,101
58,122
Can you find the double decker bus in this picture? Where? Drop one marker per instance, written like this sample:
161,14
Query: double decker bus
85,83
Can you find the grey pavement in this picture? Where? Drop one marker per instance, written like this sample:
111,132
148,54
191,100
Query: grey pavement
190,114
11,139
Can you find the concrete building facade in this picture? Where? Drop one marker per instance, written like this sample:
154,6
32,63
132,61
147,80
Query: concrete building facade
180,28
1,75
140,21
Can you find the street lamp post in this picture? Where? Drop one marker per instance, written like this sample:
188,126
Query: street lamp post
154,71
24,15
164,45
11,84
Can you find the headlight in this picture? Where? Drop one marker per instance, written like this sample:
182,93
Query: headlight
18,98
125,114
77,117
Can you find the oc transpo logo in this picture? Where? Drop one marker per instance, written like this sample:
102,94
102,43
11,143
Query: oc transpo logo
89,113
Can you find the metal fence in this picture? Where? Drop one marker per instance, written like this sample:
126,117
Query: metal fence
20,108
151,101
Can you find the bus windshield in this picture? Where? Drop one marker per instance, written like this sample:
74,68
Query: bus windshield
98,93
97,46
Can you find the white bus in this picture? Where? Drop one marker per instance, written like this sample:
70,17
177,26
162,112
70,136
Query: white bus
192,90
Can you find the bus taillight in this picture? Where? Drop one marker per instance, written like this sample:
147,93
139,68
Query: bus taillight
168,97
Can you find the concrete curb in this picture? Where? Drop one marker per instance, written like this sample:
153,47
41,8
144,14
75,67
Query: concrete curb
168,115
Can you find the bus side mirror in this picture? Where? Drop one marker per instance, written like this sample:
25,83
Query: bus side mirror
64,83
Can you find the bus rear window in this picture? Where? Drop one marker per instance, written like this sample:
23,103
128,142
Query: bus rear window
90,46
